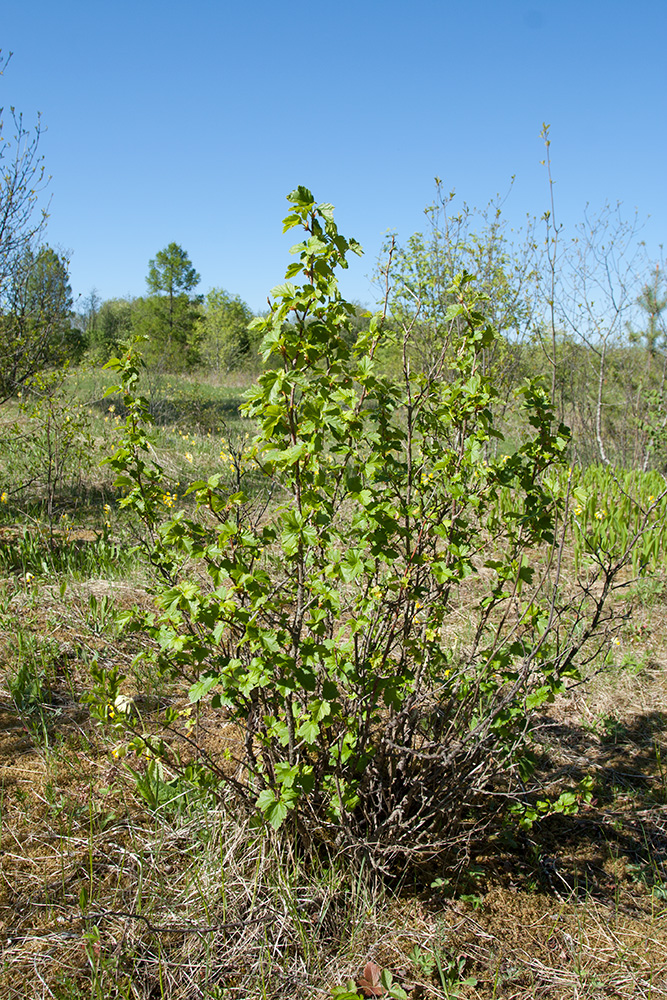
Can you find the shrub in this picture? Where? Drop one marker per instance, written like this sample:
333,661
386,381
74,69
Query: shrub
379,634
54,451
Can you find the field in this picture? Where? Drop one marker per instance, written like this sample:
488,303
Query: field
112,888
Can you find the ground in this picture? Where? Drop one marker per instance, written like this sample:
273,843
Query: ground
102,896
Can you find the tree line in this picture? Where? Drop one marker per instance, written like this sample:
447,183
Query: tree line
586,312
607,368
182,330
39,326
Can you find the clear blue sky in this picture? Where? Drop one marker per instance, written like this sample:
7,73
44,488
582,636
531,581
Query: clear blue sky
191,123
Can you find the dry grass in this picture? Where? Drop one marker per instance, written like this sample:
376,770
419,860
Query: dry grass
100,897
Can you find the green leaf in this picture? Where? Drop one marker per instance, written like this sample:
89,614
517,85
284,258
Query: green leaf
301,196
201,687
351,566
284,291
309,731
286,773
348,992
539,697
275,810
284,456
393,989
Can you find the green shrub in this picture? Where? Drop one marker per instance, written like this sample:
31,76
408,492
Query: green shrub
326,615
53,452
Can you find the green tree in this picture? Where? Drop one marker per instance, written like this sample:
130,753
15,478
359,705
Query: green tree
652,301
38,316
423,269
226,341
112,323
22,348
171,272
47,299
169,316
651,384
86,317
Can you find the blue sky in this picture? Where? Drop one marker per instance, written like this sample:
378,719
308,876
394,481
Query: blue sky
169,122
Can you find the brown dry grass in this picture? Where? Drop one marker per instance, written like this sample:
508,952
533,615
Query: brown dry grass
101,898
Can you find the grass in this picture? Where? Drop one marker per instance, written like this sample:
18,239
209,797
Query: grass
104,897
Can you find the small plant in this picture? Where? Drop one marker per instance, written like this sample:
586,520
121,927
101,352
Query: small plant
568,803
101,613
447,968
650,876
634,663
30,682
27,685
648,591
59,447
423,960
620,515
613,730
451,973
152,787
38,551
105,695
373,982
